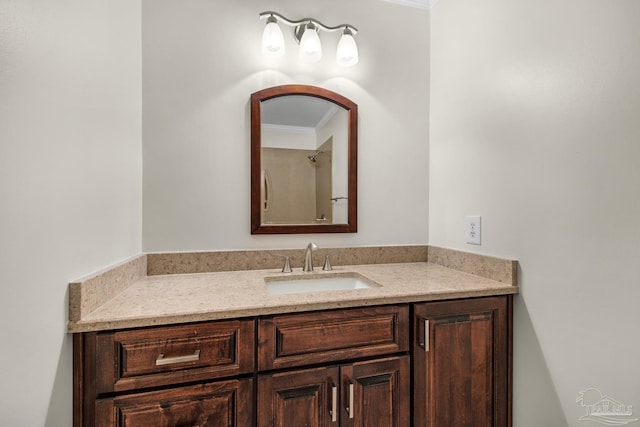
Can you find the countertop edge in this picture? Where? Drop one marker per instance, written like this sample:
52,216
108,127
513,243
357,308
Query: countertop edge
95,326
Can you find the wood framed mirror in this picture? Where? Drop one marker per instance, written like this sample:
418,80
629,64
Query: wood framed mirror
304,168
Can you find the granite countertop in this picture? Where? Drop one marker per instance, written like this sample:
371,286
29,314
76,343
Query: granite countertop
180,298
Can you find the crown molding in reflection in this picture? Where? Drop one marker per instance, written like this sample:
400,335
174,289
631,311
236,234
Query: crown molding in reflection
288,129
420,4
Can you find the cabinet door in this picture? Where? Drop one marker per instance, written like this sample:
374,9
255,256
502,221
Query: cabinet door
306,398
462,363
219,404
376,393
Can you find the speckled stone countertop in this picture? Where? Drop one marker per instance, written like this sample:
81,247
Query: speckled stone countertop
146,300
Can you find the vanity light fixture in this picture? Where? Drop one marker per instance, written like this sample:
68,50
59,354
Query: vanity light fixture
305,32
272,39
347,53
310,46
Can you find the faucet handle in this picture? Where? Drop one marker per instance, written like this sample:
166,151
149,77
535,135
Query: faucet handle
286,268
327,264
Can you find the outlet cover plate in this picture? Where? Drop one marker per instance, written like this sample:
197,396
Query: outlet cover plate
472,229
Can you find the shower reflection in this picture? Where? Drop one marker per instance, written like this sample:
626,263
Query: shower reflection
304,151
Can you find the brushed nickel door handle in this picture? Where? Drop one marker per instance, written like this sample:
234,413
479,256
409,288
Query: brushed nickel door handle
334,403
424,344
350,409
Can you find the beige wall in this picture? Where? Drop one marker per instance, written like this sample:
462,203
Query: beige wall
535,125
70,182
292,180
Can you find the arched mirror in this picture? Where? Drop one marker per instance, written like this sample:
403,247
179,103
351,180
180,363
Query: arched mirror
304,147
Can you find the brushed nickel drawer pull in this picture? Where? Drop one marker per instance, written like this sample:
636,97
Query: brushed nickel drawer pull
162,361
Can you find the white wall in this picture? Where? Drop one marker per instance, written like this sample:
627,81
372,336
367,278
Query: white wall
336,129
70,182
201,62
535,125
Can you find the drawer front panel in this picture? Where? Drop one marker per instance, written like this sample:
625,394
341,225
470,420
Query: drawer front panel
144,356
303,339
224,403
128,360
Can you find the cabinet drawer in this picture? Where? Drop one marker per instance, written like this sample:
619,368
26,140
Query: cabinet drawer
132,359
223,403
303,339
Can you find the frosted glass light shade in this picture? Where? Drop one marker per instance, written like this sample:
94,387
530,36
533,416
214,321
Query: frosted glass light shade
310,46
347,52
272,40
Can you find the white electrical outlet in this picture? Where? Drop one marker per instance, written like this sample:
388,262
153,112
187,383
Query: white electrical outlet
472,229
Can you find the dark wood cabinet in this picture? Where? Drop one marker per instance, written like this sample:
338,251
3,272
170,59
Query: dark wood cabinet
372,393
462,363
432,364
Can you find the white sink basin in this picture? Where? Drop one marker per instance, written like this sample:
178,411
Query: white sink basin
316,283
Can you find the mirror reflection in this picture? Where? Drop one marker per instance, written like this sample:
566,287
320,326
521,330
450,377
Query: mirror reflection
304,161
304,168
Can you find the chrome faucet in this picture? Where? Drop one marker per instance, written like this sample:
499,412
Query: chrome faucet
308,257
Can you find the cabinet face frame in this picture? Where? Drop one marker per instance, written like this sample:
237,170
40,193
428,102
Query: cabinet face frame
432,359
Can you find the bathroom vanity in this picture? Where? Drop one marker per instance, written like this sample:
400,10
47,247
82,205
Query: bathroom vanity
428,345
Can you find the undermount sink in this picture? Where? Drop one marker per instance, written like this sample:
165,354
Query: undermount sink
316,283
